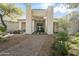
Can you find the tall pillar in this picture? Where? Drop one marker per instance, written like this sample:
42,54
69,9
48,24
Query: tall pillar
32,26
50,20
46,25
20,25
29,19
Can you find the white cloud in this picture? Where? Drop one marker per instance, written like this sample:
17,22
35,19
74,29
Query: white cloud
62,9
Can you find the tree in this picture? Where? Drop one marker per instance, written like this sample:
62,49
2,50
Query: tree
64,24
9,10
69,5
73,5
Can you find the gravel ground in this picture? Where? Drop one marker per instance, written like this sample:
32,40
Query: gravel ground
28,45
13,40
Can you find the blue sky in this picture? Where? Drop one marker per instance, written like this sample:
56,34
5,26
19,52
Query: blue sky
59,10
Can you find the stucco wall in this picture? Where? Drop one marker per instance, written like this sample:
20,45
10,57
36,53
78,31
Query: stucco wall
39,12
11,26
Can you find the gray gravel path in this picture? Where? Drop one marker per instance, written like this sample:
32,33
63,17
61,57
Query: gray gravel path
29,47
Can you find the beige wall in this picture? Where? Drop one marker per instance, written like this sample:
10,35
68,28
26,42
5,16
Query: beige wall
55,27
11,26
40,13
23,25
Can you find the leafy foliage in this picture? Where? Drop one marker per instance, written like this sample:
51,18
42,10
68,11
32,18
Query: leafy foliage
77,34
9,10
3,40
69,5
73,5
62,36
61,43
77,41
17,32
64,24
61,48
2,29
74,47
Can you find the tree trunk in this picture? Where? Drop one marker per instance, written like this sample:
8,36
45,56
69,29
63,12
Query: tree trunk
2,21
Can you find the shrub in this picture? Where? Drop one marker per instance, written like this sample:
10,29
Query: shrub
62,36
2,29
75,41
74,46
61,45
17,32
74,52
74,49
3,40
61,48
77,34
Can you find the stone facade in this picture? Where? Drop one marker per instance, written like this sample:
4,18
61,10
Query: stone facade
36,17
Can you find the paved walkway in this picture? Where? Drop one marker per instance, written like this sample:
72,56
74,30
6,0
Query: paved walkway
32,46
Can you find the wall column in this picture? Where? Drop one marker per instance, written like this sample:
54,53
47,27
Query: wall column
29,19
50,20
32,26
45,25
19,25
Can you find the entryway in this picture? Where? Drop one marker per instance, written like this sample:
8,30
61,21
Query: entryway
39,27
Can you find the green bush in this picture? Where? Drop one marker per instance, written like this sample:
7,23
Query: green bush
62,36
3,40
61,48
74,46
61,45
17,32
77,34
2,29
77,41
